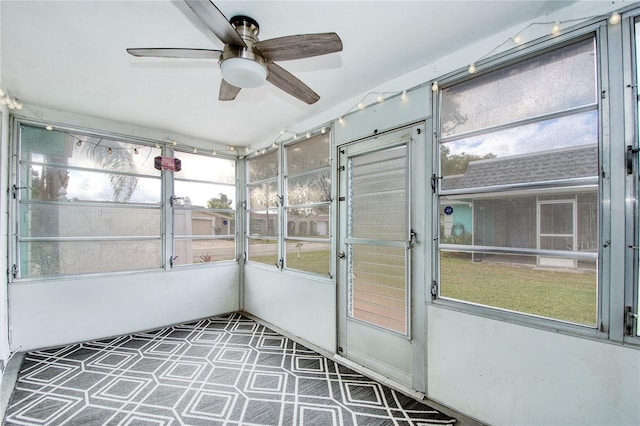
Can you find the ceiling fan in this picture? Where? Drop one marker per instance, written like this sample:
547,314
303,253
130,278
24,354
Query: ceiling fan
245,61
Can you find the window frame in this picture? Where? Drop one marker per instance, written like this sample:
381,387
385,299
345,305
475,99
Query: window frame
165,231
281,236
192,237
286,206
597,30
630,24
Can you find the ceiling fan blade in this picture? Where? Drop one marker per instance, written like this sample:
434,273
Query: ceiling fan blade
228,92
299,46
286,81
211,16
176,53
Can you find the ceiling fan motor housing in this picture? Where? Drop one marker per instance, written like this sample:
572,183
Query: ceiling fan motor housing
244,66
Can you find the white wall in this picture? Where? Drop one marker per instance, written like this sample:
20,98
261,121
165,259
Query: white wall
512,375
52,313
4,316
303,306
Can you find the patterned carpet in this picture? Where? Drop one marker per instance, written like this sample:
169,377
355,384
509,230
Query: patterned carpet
226,370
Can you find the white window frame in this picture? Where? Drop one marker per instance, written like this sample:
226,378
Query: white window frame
594,28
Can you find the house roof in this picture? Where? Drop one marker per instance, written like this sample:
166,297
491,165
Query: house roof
566,163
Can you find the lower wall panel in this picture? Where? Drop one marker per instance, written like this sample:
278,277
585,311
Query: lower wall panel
302,306
503,373
53,313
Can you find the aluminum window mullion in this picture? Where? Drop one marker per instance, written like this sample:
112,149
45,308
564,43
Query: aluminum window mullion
521,122
580,255
564,183
89,169
84,239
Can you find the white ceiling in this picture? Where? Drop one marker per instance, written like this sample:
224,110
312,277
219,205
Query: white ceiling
70,55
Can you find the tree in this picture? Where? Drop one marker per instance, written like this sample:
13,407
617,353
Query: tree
223,202
456,164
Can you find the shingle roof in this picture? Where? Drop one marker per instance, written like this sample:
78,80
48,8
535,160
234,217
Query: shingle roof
565,163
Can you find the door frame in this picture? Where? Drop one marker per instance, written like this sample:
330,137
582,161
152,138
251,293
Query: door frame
415,137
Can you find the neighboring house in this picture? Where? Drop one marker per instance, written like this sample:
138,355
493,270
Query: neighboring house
526,214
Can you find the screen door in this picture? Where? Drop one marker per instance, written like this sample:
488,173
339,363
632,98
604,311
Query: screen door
375,244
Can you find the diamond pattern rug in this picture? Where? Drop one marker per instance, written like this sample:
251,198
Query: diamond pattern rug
227,370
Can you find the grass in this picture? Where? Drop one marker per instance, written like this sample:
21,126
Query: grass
316,262
564,295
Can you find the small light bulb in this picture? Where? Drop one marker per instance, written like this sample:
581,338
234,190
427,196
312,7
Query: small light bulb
49,127
295,135
275,145
135,151
341,120
555,30
213,152
78,142
323,131
282,132
360,105
231,148
18,105
264,151
2,92
472,69
404,95
158,145
11,105
434,86
615,18
110,151
247,150
517,39
380,98
195,150
308,135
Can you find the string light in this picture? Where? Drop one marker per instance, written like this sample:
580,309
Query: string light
174,143
110,151
213,152
275,144
49,127
360,105
323,131
135,151
472,68
195,150
517,39
79,143
231,148
434,86
341,120
404,95
615,18
380,98
308,135
555,30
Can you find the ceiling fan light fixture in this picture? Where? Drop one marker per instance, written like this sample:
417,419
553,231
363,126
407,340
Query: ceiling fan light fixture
243,73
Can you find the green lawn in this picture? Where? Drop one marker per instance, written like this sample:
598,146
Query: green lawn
568,296
316,262
565,295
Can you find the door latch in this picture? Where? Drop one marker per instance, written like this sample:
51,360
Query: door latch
342,255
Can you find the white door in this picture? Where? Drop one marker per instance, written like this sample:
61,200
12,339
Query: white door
375,247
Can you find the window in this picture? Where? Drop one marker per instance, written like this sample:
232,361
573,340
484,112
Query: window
291,231
204,210
262,208
86,204
518,198
307,209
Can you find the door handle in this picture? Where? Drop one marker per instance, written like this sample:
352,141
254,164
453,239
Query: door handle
413,239
342,255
